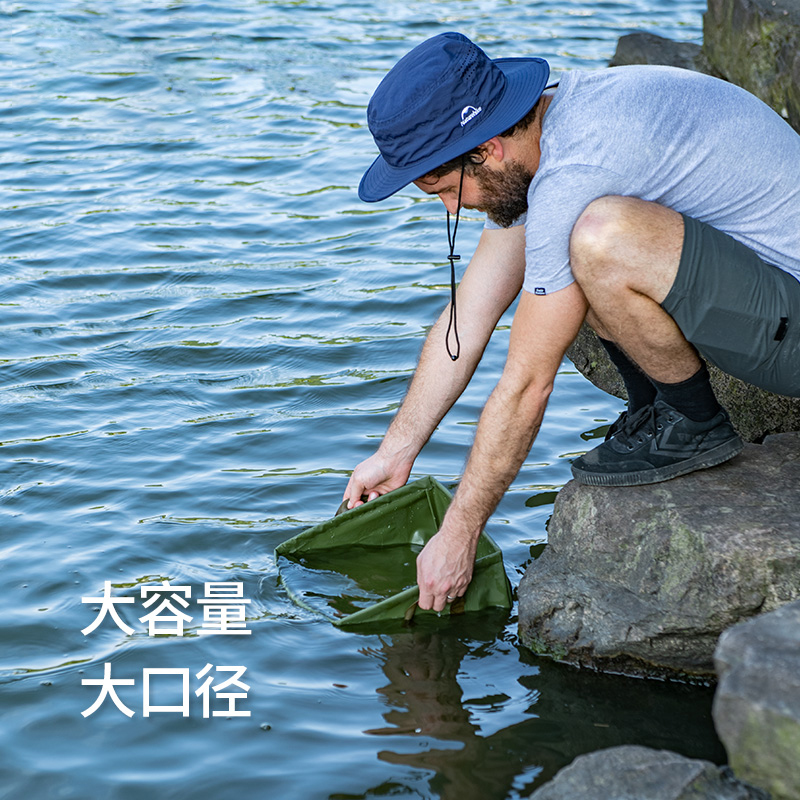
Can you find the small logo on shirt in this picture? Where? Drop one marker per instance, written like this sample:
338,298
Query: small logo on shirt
469,113
539,290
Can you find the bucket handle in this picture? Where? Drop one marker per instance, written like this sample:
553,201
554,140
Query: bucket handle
343,507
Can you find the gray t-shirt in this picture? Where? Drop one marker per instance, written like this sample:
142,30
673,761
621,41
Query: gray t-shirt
696,144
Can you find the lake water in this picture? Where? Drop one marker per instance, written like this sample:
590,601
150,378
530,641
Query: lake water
203,332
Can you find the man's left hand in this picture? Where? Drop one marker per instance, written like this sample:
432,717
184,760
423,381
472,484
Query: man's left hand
444,569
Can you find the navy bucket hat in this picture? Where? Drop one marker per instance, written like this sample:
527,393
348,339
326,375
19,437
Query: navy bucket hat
441,100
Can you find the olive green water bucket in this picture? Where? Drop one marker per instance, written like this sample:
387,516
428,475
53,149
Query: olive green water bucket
406,517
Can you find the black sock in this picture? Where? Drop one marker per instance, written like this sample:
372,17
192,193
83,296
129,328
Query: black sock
641,391
693,397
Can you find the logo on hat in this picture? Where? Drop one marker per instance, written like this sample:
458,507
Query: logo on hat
468,113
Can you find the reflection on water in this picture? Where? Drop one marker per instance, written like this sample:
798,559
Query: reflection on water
203,332
447,693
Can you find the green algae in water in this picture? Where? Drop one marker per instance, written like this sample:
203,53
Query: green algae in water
344,580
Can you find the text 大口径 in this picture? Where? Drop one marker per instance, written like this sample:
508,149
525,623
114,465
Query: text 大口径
107,690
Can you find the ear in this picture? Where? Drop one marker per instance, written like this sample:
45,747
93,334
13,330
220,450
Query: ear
494,149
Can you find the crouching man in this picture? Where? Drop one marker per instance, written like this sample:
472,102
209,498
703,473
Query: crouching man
661,205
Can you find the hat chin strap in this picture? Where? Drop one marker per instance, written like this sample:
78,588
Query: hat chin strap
452,258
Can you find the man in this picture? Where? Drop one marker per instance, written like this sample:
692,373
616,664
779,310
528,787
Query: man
660,205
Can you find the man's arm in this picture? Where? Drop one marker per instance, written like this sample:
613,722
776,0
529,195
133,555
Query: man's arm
543,328
490,283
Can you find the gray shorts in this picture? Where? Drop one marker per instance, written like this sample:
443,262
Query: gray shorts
741,313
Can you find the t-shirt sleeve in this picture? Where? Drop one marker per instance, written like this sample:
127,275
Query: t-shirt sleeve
555,201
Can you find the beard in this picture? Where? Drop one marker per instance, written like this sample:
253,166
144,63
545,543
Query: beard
505,193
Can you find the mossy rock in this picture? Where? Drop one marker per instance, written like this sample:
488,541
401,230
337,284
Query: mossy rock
644,579
757,704
756,45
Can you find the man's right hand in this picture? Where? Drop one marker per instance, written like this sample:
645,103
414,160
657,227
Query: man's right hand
377,475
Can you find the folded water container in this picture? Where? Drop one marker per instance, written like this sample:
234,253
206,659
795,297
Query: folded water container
366,546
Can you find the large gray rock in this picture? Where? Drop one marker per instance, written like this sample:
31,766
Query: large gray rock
756,44
754,412
644,579
639,773
647,48
757,704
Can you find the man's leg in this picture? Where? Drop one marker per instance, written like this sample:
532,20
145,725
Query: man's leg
625,254
640,389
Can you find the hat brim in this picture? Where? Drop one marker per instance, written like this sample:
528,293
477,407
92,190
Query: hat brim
525,82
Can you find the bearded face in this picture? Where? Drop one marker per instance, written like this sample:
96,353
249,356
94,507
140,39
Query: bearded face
504,192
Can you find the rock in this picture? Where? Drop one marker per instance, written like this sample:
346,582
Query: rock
644,579
592,361
756,44
639,773
754,412
757,704
647,48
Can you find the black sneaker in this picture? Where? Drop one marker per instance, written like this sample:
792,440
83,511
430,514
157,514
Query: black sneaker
655,444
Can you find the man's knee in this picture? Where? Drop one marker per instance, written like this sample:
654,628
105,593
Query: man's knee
626,242
597,233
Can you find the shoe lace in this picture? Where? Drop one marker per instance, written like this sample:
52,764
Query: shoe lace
638,425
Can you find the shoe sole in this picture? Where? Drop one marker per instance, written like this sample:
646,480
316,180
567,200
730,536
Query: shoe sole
711,458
